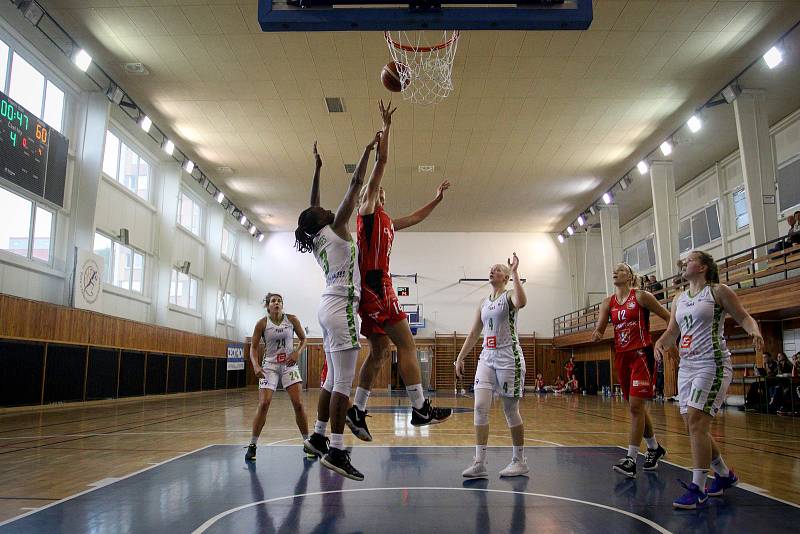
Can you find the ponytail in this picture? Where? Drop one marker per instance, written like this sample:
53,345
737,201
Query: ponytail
307,228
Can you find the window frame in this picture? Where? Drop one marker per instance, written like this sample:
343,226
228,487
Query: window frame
232,301
635,246
197,203
711,242
232,234
736,216
116,241
35,204
143,155
791,209
198,300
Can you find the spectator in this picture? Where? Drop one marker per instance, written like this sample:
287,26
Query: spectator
558,387
770,365
677,280
569,367
794,232
573,385
795,364
656,288
659,368
784,365
792,236
540,384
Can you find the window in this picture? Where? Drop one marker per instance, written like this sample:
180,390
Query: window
789,186
190,214
183,290
3,64
123,266
641,256
229,242
32,90
225,315
27,228
126,166
740,209
699,229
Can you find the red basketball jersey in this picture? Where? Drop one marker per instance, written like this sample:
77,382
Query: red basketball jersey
631,323
375,235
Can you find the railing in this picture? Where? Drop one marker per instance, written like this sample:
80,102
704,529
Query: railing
743,270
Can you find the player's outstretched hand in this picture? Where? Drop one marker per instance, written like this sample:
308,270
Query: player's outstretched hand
444,186
513,263
317,157
386,113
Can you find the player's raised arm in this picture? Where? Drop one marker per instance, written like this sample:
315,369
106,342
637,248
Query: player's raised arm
422,213
369,197
348,204
315,182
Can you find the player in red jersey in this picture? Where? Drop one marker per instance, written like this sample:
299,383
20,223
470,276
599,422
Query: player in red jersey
629,310
381,317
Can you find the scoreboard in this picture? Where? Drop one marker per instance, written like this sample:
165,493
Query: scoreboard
32,154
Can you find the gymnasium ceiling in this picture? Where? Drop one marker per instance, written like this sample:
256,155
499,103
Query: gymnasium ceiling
539,125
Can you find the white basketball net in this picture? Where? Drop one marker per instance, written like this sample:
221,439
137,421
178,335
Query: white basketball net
425,66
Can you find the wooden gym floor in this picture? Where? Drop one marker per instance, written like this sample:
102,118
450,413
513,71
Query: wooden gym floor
47,454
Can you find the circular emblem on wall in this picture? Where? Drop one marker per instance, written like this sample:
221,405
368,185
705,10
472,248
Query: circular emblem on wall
90,281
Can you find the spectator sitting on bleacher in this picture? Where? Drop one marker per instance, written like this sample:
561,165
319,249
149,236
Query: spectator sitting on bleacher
678,281
784,365
558,387
656,288
770,365
795,364
792,236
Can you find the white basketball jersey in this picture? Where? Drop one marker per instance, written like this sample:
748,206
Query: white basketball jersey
499,322
339,261
278,340
701,321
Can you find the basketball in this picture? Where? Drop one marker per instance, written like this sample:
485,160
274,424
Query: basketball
390,76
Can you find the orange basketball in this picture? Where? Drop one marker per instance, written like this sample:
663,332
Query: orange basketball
390,76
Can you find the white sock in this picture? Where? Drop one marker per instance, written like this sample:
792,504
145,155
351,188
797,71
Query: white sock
253,440
305,436
320,427
480,453
362,396
719,467
699,477
633,450
416,396
517,452
652,442
337,441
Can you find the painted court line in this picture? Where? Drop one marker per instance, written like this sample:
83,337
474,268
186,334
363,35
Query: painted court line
202,528
100,487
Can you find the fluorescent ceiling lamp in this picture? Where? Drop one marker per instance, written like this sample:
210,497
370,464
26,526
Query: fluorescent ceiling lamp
607,198
145,123
773,57
253,230
243,220
169,147
642,166
260,238
560,238
82,59
581,220
220,197
694,124
666,148
188,166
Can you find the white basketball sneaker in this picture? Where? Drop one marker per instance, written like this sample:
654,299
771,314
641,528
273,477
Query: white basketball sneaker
476,470
515,468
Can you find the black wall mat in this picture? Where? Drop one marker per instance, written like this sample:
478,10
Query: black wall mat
193,373
208,373
21,378
222,370
604,373
156,374
66,365
101,379
591,378
177,370
131,374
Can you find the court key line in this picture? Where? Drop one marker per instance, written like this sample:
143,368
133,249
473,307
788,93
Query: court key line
652,524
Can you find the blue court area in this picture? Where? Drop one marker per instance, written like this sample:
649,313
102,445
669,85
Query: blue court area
407,489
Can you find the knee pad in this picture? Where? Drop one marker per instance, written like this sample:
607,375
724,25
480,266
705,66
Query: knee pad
483,403
344,365
511,409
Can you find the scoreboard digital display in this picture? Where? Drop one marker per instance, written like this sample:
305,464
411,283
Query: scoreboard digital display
32,154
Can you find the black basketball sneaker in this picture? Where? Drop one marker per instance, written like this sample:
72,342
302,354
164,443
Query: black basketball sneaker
316,445
250,455
652,457
339,461
626,466
428,415
357,422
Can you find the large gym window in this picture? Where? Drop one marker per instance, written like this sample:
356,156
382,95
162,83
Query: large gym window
229,242
31,89
27,228
123,266
225,307
641,256
740,208
190,214
698,229
789,185
183,290
124,165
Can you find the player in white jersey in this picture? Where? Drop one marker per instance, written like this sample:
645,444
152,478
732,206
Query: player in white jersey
327,235
501,367
279,363
698,317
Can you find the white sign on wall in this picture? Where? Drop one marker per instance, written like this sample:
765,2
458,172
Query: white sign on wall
88,280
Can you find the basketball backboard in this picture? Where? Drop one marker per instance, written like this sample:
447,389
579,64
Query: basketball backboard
380,15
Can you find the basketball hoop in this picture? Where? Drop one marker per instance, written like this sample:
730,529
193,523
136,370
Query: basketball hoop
425,68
